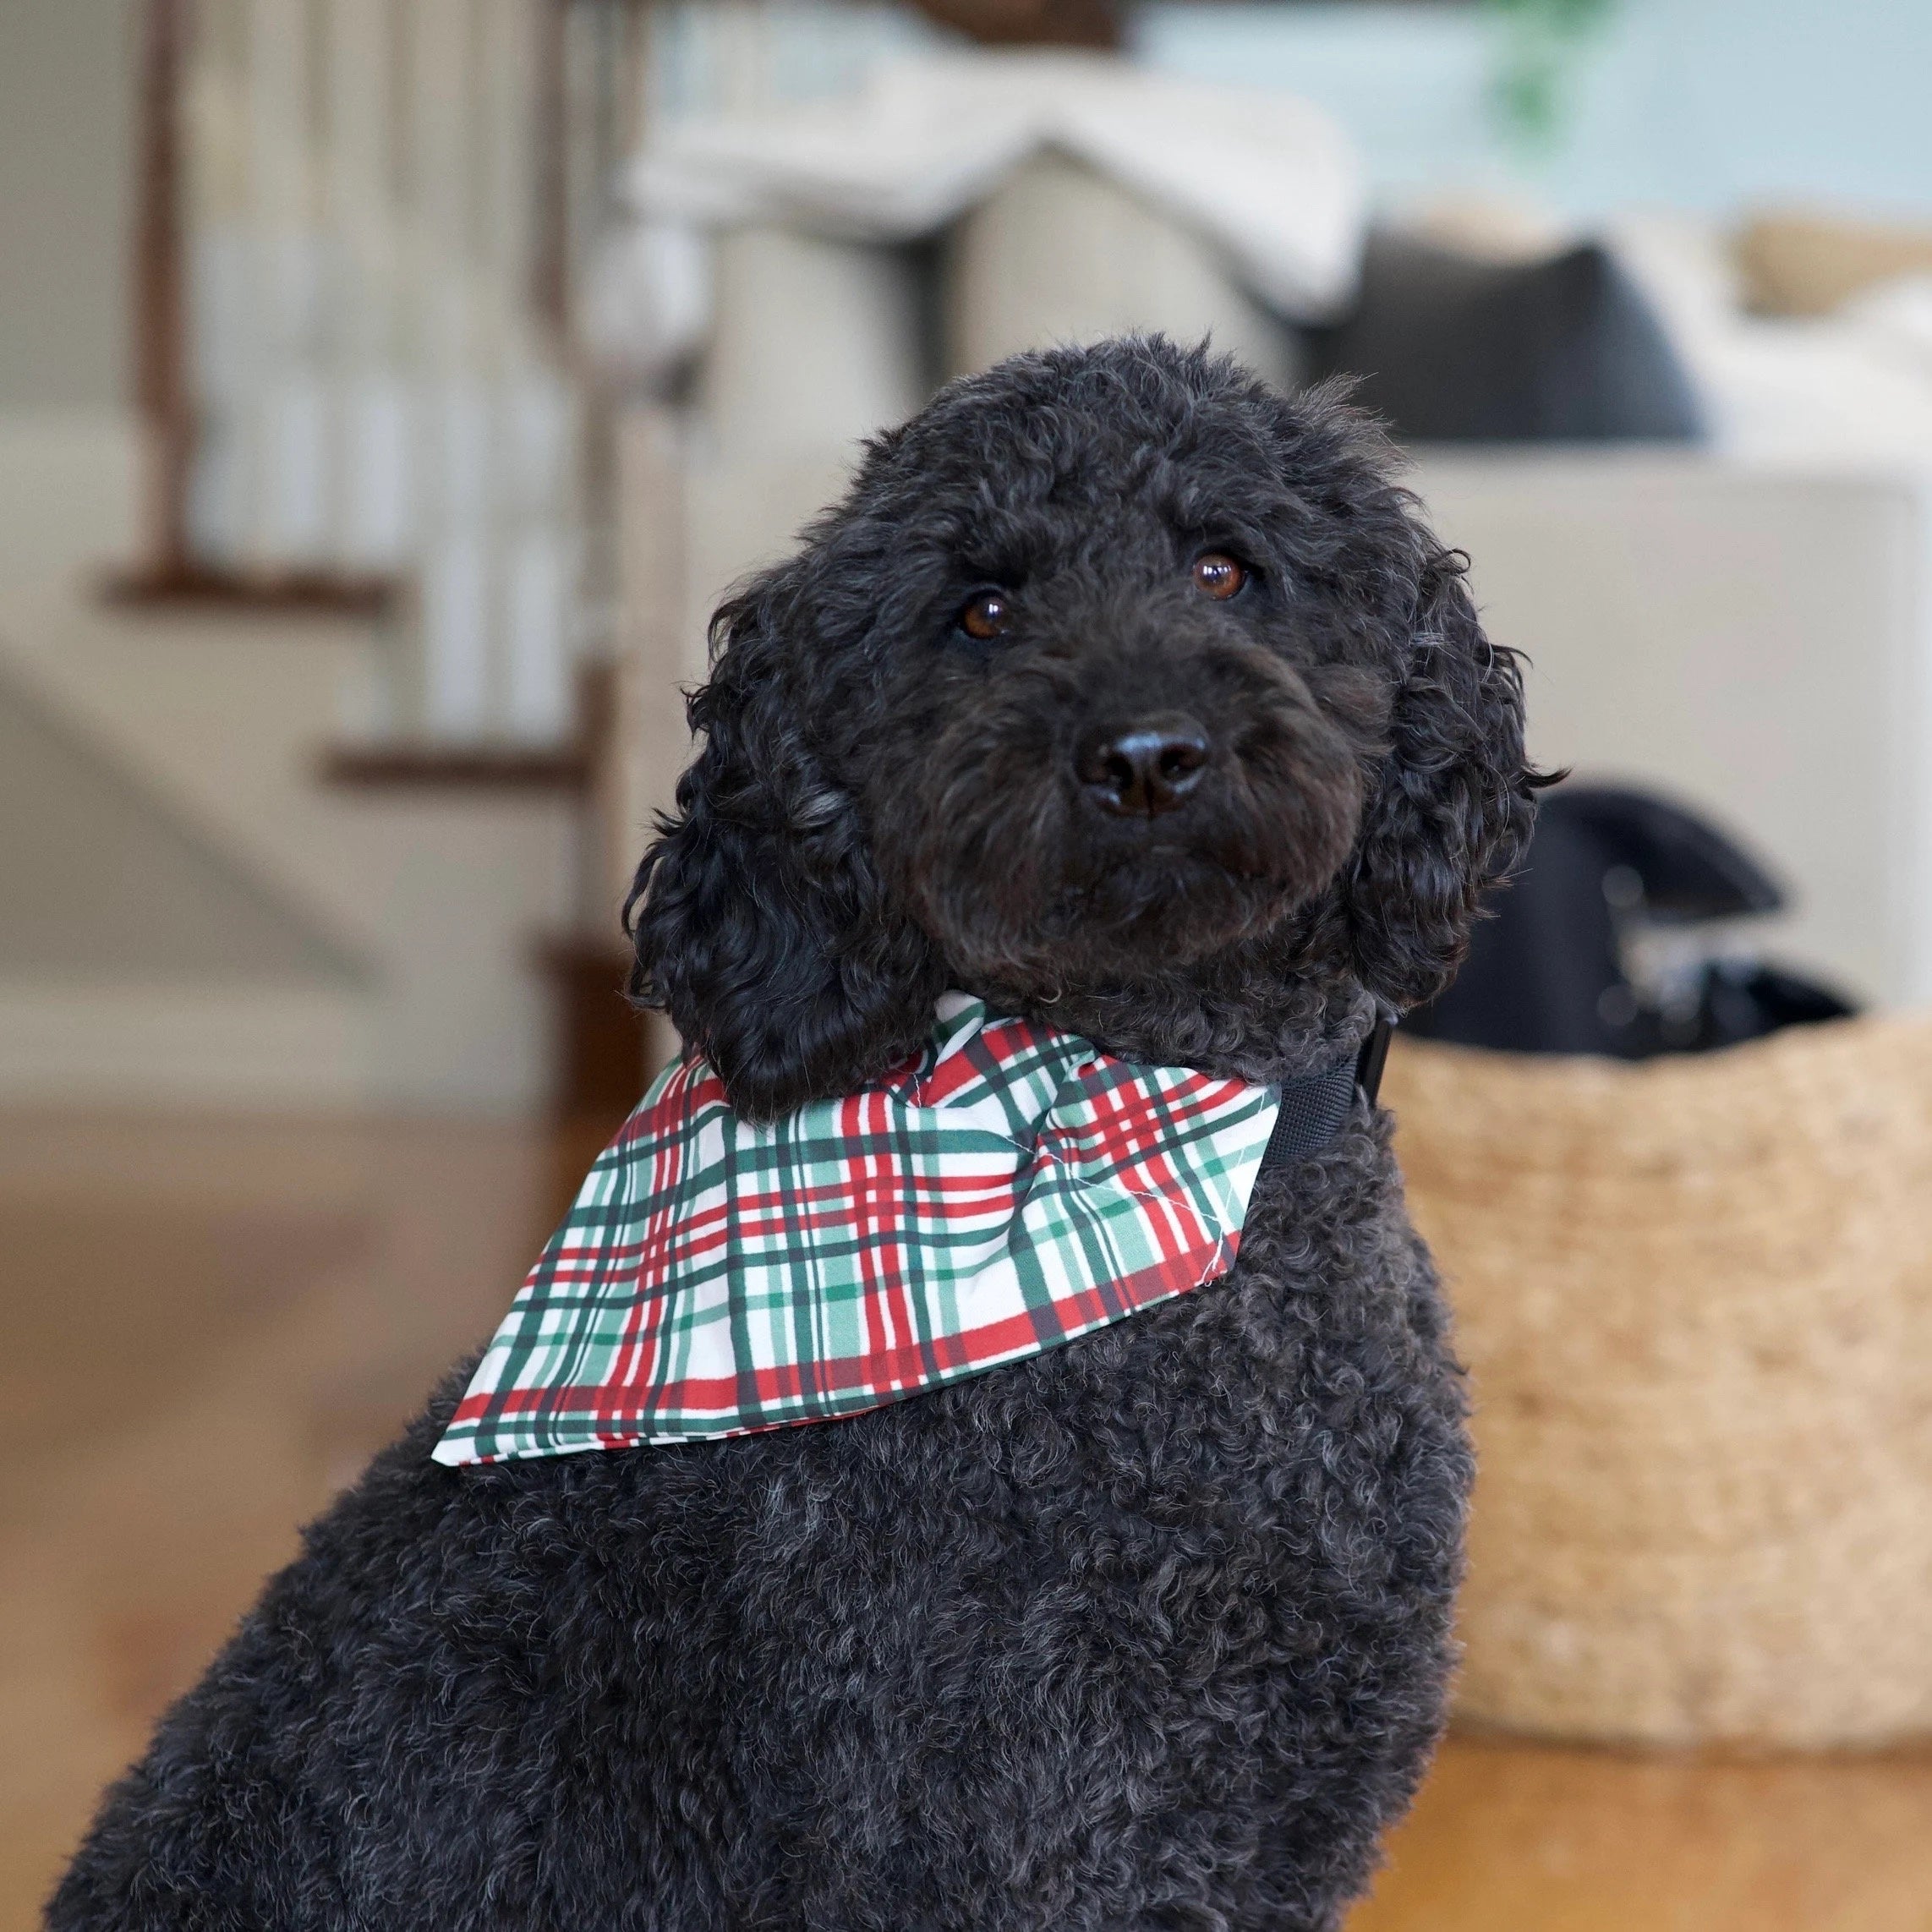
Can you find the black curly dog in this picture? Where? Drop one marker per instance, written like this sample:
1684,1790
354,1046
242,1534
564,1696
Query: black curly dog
1129,693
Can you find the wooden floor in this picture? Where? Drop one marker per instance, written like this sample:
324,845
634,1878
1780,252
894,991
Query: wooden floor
207,1326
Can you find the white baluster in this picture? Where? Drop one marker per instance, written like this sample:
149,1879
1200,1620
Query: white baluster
455,633
372,513
291,524
542,553
224,331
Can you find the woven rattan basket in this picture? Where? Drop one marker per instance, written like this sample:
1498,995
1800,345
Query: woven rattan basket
1695,1297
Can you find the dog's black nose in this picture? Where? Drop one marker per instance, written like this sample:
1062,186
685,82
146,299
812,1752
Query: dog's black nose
1144,769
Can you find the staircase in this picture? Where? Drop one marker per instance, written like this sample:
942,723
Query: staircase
188,916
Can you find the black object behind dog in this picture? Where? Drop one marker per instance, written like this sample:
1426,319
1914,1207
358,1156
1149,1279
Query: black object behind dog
1558,966
1131,697
1451,348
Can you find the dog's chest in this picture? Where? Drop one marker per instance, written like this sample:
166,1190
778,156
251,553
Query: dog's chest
1268,1423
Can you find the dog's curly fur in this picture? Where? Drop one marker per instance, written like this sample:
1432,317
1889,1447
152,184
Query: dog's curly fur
1151,1630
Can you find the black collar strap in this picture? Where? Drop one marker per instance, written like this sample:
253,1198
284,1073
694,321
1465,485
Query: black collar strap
1315,1108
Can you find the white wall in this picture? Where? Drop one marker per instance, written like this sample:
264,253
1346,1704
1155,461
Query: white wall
736,55
1699,103
67,98
1696,103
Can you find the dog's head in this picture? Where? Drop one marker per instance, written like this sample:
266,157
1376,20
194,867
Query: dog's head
1113,665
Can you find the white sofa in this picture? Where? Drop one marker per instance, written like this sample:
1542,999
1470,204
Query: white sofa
1754,637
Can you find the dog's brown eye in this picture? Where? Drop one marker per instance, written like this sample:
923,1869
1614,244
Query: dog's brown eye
1219,575
986,616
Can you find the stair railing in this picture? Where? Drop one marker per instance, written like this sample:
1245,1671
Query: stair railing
360,226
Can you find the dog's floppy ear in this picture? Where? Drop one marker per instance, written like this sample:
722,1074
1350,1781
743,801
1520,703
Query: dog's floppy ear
759,922
1454,802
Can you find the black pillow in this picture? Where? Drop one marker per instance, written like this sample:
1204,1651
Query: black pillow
1452,348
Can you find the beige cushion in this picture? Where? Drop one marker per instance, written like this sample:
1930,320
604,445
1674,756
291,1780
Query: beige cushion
1060,254
816,344
1800,263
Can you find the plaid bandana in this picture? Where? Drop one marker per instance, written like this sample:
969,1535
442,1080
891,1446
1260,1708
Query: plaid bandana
1008,1191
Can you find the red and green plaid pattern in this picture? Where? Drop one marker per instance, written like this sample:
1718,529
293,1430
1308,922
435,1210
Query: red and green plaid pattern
1007,1192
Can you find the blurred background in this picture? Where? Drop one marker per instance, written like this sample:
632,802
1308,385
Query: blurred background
389,389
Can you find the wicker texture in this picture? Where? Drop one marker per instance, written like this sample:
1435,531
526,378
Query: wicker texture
1695,1297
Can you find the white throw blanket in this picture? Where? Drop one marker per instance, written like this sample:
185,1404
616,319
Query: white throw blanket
1266,179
